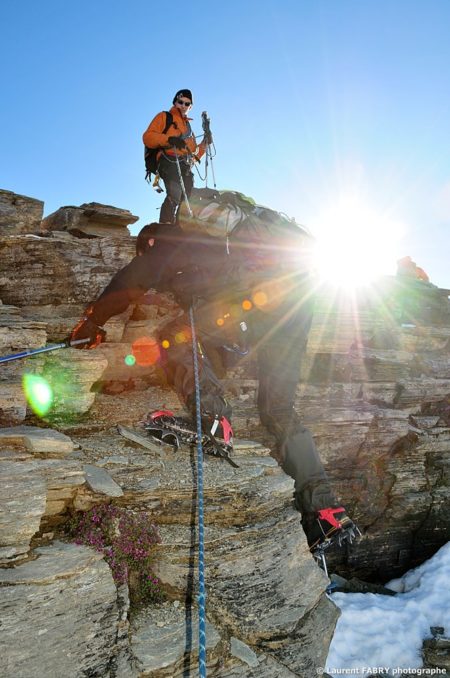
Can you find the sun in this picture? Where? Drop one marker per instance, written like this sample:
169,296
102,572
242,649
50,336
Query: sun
354,243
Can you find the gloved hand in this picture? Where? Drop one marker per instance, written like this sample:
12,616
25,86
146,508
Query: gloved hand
178,142
87,329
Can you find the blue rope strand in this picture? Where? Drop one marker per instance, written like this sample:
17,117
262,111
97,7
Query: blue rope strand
201,548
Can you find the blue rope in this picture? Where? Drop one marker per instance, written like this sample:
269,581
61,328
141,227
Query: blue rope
201,549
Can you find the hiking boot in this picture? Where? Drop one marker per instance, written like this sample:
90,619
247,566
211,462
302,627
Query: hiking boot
330,526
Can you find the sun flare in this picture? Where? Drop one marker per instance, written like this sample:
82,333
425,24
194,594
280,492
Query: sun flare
354,243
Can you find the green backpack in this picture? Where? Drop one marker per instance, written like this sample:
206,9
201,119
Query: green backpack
253,235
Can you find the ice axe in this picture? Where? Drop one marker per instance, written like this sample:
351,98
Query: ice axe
26,354
206,125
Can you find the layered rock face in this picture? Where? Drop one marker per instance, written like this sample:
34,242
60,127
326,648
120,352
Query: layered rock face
90,219
375,392
376,396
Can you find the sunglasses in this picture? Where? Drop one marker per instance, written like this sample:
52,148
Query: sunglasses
184,103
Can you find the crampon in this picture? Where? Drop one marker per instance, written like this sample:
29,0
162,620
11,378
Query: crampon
165,427
335,528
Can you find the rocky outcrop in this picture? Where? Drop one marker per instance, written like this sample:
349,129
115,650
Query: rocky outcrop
436,651
90,219
43,480
38,273
66,604
375,393
259,610
19,214
368,403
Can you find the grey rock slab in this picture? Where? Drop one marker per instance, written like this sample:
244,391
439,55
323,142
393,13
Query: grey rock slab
63,606
255,489
161,637
101,482
39,441
261,578
257,580
243,652
32,491
306,650
22,503
57,561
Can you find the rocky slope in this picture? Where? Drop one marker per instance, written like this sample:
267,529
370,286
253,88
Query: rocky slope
375,393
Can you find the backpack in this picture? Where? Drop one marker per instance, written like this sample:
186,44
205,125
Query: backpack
256,237
151,163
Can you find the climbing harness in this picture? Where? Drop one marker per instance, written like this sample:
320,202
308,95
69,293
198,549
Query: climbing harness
201,563
26,354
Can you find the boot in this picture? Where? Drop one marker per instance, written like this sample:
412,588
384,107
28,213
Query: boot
217,434
329,526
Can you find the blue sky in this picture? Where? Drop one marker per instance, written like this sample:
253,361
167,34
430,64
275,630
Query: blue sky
308,101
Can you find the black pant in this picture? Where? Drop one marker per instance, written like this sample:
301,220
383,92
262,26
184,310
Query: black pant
168,172
279,356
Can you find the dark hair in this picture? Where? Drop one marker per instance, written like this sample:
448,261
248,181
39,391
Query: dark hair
159,232
144,235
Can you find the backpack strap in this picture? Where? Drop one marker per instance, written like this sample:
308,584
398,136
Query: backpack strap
188,131
169,121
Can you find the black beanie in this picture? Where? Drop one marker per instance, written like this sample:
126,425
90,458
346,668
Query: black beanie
183,93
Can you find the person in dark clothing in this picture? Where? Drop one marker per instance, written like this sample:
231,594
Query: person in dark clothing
178,150
200,274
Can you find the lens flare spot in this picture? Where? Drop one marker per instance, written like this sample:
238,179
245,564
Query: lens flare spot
247,304
165,343
220,322
260,298
145,351
130,360
180,338
38,392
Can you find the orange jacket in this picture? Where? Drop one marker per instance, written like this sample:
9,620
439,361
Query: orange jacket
153,137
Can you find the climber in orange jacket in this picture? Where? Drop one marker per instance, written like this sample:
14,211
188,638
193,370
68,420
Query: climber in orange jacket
178,150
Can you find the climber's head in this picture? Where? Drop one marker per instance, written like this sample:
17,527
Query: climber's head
152,234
